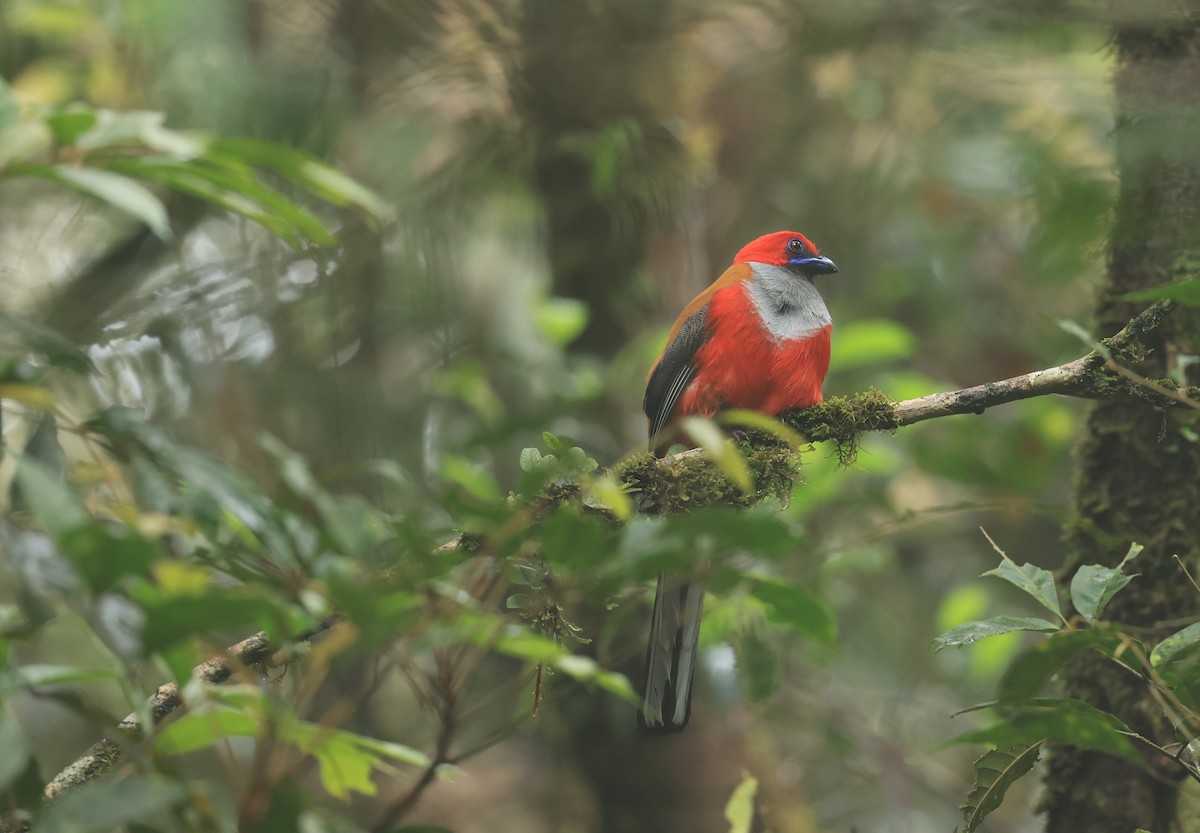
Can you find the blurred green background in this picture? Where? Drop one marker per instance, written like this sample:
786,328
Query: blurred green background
564,177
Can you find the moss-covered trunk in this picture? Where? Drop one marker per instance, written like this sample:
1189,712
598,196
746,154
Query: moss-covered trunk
1139,474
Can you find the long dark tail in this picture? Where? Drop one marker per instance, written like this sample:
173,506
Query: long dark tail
671,656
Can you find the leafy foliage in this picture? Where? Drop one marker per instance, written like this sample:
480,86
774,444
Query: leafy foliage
1026,719
1092,586
1035,581
970,632
115,156
996,771
739,811
360,404
194,554
1186,292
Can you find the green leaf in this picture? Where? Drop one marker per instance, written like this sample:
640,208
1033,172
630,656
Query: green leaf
171,619
561,320
69,125
203,729
22,142
791,605
970,632
607,492
467,381
473,479
138,127
1185,292
235,189
1093,587
530,647
555,443
285,810
1034,580
574,539
38,676
1029,673
59,351
757,665
12,621
586,670
1070,721
54,505
397,752
346,759
344,766
104,555
109,804
723,453
531,460
16,750
576,462
870,342
317,177
765,423
1175,645
1080,332
10,108
32,395
995,773
116,190
739,810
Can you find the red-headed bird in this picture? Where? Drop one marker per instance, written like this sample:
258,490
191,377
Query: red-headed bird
757,339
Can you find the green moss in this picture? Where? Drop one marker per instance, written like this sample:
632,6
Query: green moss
841,419
1108,385
690,481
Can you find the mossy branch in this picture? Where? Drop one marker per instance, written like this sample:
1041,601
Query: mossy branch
689,479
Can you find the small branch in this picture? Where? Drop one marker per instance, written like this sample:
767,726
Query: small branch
446,688
254,652
1067,379
1076,378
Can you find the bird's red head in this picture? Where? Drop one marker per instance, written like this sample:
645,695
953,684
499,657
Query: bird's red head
789,249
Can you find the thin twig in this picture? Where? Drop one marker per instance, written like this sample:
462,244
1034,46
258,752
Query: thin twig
1179,563
1170,393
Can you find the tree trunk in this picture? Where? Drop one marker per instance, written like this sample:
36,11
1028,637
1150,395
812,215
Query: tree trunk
591,85
1139,474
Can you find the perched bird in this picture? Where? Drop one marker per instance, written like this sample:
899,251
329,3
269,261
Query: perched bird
757,339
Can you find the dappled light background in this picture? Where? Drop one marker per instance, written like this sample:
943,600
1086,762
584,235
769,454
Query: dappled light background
564,177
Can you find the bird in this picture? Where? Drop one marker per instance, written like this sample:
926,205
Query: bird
758,339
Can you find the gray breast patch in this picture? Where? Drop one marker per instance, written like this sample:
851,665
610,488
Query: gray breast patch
790,306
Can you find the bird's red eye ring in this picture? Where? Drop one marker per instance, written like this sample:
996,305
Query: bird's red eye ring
796,246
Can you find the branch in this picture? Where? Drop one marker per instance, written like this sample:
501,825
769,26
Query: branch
1098,375
1084,377
253,652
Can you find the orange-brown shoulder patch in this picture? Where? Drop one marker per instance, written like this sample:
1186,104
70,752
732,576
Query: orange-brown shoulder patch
734,274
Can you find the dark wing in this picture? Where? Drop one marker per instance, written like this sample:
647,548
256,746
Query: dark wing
673,373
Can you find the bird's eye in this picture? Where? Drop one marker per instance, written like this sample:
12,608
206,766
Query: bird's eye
796,246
